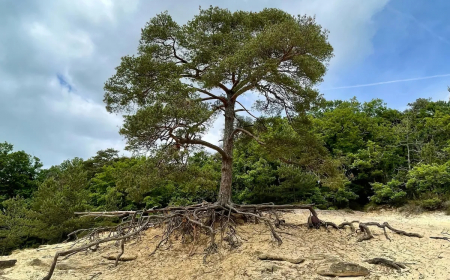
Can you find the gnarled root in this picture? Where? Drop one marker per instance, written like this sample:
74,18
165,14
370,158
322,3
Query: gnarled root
269,257
395,265
364,227
189,221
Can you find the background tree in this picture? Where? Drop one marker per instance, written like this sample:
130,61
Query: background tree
185,75
18,173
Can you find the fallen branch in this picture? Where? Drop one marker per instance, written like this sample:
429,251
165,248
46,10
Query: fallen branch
442,238
122,259
395,265
268,257
122,244
95,275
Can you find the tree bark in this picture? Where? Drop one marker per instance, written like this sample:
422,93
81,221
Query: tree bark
227,161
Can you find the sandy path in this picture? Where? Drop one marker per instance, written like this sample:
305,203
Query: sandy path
426,258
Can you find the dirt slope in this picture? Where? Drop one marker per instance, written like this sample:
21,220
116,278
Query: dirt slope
426,258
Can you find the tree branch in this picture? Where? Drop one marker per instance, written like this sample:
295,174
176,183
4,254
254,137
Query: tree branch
211,95
246,132
175,54
223,87
242,90
245,109
200,142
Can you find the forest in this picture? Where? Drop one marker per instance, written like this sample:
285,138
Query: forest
342,154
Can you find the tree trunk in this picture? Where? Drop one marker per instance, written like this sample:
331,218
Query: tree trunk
227,162
225,182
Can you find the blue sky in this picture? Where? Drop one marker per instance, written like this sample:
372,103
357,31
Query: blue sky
412,40
56,55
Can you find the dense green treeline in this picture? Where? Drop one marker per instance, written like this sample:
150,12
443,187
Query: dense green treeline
345,154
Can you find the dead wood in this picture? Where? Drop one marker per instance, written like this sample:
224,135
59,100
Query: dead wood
122,244
122,259
395,265
95,275
442,238
269,257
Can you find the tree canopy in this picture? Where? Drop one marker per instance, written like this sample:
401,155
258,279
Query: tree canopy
184,76
18,172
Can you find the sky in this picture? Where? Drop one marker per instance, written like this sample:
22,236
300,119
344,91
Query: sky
55,56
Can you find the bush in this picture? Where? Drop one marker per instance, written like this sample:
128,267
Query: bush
391,193
16,224
431,204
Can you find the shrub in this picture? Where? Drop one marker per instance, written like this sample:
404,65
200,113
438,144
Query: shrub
391,193
431,204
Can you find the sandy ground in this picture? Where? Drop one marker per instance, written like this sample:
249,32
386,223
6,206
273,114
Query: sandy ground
425,258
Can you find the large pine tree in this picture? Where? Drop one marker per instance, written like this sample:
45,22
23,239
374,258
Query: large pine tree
185,76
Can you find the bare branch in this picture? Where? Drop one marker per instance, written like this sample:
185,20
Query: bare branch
246,132
245,109
223,87
200,142
175,53
211,95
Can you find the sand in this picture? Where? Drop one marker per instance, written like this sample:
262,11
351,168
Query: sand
425,258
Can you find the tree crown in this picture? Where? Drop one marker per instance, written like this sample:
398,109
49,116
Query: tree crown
184,75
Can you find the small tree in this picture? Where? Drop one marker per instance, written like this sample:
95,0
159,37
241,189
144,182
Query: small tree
184,76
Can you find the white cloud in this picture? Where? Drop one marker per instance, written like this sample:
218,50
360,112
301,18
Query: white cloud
72,43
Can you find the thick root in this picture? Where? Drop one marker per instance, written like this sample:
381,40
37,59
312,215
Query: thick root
269,257
201,219
189,221
395,265
364,227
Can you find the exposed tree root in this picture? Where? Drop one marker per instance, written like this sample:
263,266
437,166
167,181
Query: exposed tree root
268,257
349,224
364,228
442,238
189,222
192,221
122,259
118,234
395,265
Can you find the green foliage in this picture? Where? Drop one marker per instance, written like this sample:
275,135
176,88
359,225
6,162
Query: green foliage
59,197
432,203
16,224
390,193
19,173
177,65
429,178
